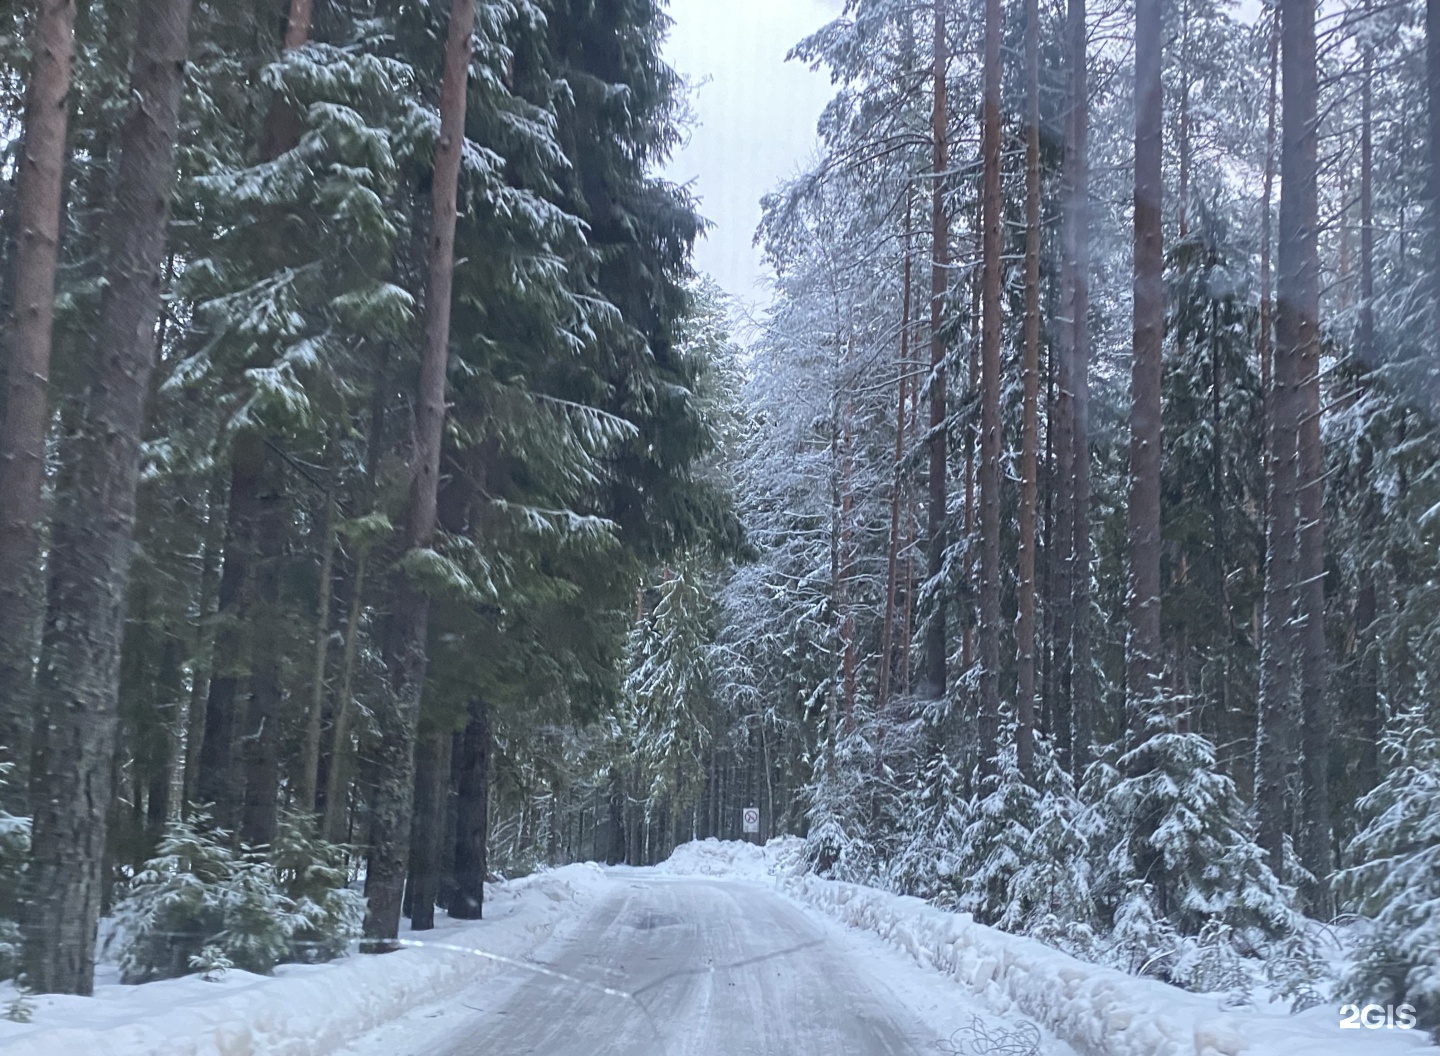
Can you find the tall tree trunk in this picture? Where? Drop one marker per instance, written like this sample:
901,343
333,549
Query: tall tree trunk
337,777
936,643
1030,424
897,487
1084,692
405,646
1300,322
94,528
41,165
432,782
203,642
472,814
1265,342
1366,604
307,778
248,650
988,719
1275,735
263,717
170,690
1142,659
220,780
337,773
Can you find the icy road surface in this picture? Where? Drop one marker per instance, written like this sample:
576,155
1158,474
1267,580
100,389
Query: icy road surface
688,967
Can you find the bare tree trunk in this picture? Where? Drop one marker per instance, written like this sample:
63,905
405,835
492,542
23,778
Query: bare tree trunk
936,643
94,528
1366,603
897,488
267,652
204,642
1142,659
239,757
1300,323
432,783
988,719
1275,735
337,774
472,813
405,653
307,779
1266,344
1084,691
40,162
219,784
1030,424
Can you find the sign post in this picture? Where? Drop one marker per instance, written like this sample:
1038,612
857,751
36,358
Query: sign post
750,822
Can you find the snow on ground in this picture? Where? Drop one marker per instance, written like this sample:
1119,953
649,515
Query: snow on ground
920,952
1096,1010
305,1010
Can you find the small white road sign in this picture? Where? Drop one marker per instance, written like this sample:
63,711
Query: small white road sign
750,817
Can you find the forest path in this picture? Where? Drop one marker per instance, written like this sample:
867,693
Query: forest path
688,967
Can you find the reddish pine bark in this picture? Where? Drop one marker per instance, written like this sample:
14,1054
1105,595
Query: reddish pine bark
1143,604
93,531
41,163
409,618
988,719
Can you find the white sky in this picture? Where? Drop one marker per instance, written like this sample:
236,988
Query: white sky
756,115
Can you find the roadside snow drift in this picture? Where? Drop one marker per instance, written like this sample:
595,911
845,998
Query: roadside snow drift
1098,1011
303,1010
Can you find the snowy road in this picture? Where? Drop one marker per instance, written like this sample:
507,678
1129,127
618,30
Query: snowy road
668,967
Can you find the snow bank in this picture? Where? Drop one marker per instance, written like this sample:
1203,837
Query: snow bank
1098,1011
732,859
303,1010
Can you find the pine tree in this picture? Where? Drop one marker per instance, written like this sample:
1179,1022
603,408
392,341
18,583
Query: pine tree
405,637
38,218
90,555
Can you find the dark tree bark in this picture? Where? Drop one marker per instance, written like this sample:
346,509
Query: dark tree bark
40,163
1367,602
1142,651
307,776
472,813
337,777
897,487
936,642
1084,691
263,717
1275,746
432,784
1300,327
203,641
410,613
988,719
220,778
1030,418
244,696
94,528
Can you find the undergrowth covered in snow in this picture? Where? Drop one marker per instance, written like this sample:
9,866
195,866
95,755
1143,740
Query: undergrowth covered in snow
302,1009
1098,1010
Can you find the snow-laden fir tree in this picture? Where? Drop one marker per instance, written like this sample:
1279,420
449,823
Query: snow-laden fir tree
1186,850
256,909
1393,876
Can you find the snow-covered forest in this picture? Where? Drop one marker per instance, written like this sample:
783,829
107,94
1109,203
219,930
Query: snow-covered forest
386,502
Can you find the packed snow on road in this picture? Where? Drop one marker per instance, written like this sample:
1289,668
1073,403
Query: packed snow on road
724,949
